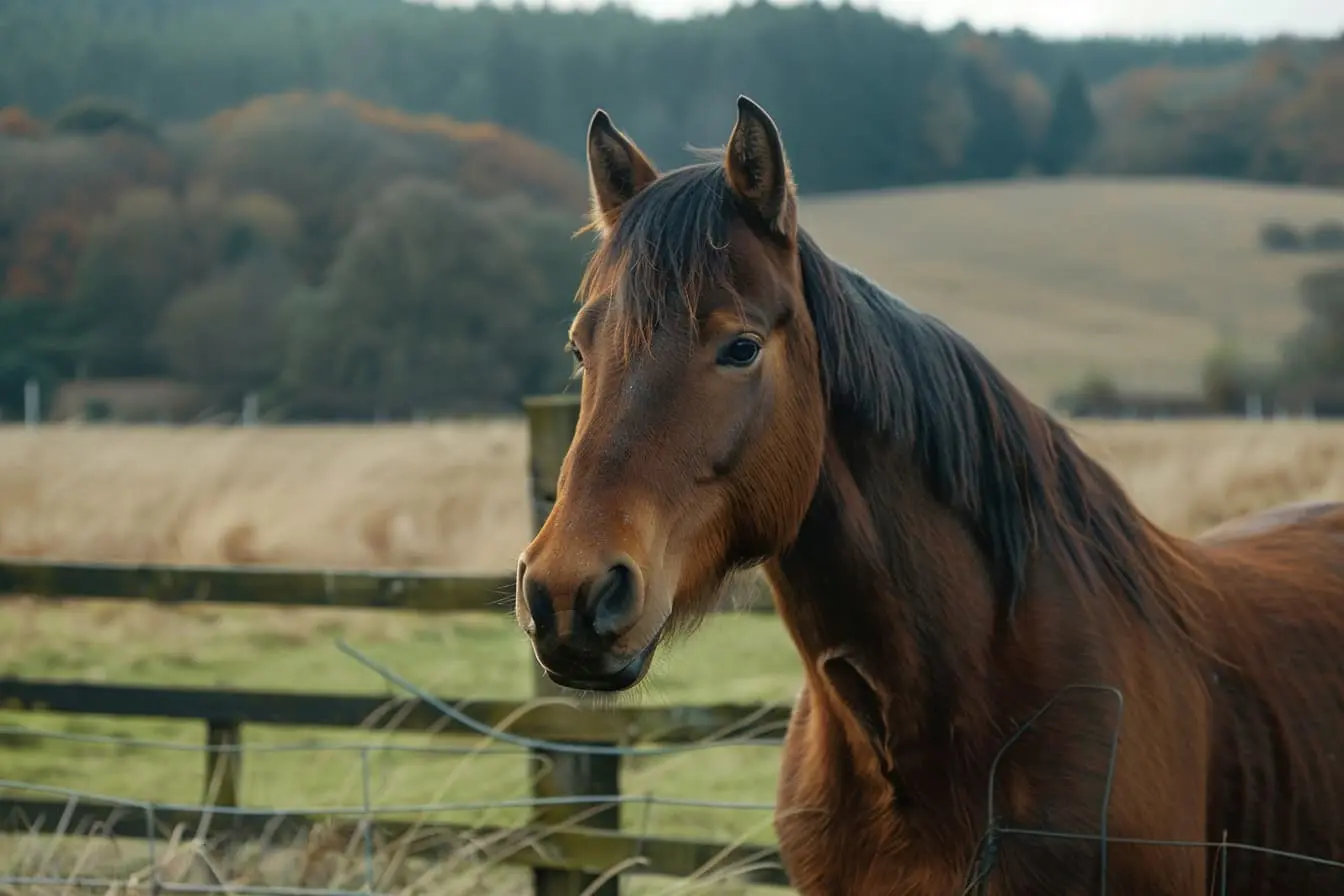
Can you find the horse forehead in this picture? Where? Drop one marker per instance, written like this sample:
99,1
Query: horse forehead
760,274
652,375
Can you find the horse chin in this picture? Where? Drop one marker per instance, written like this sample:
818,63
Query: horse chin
622,678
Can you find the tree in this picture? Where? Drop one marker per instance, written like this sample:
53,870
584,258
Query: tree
1071,128
98,115
1229,378
16,122
434,303
1314,355
997,144
37,341
154,247
226,335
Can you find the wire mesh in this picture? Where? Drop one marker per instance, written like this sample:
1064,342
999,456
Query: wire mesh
118,845
72,839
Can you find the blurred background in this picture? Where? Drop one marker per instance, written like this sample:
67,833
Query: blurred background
275,276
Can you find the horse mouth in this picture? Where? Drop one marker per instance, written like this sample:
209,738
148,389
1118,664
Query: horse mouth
621,678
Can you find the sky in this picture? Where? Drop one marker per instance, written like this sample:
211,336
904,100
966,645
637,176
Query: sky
1069,18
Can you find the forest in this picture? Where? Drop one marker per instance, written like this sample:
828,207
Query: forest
366,207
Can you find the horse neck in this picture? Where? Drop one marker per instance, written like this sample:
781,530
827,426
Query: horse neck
886,571
882,569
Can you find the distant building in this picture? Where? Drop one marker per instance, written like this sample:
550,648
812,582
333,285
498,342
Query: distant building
1136,405
127,401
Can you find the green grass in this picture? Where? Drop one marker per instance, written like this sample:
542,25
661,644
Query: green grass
475,655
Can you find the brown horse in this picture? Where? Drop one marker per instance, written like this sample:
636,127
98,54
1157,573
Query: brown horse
947,561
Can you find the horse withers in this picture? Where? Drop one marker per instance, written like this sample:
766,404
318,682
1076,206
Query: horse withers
947,561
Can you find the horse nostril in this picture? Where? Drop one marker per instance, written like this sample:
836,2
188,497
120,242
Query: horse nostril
540,606
613,601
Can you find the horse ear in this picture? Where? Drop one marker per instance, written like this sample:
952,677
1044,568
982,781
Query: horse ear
859,691
758,170
617,170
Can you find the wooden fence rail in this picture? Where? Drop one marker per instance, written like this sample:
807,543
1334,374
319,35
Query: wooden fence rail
272,586
567,846
546,721
580,850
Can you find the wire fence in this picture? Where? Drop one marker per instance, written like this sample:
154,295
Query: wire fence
86,840
118,845
1310,871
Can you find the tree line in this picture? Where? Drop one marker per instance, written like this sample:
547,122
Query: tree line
341,259
866,101
364,207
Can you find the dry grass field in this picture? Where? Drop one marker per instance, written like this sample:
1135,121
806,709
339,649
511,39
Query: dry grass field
454,496
1132,278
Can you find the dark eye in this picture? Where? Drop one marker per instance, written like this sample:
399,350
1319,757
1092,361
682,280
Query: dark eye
741,352
574,350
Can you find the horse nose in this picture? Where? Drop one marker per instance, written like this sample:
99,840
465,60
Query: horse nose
540,607
611,602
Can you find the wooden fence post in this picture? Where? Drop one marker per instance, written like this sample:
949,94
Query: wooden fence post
223,763
551,423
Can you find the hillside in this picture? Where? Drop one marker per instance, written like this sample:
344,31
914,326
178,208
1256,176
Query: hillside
1055,279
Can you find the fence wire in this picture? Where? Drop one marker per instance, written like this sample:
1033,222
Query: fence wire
91,841
988,853
401,849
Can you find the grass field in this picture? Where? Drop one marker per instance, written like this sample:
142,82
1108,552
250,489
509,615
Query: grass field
1132,278
452,497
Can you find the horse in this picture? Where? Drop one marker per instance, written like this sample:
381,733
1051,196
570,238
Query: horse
1014,682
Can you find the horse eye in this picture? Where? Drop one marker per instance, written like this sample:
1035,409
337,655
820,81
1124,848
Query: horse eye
741,352
574,350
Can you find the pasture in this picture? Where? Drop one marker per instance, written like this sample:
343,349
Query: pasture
450,497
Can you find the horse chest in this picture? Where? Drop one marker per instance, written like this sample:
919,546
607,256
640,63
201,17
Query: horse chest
837,838
827,855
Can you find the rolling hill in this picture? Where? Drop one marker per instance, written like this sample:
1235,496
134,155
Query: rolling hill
1135,279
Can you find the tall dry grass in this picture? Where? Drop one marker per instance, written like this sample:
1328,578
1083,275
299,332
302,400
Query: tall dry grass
450,496
329,860
454,496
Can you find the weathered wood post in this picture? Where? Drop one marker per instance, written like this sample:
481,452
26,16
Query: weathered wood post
223,763
552,420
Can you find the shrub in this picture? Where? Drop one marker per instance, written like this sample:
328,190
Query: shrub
1327,236
1280,236
1095,394
1229,379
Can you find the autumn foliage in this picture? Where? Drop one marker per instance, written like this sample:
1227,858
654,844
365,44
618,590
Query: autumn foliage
222,252
1278,116
350,257
16,122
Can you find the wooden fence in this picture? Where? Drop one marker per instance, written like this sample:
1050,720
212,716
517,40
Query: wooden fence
569,845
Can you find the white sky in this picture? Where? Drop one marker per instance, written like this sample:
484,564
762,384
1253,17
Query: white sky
1066,18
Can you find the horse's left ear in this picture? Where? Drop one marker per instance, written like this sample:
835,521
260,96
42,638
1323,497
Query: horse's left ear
865,699
758,170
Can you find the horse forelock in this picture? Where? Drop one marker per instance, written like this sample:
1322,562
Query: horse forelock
667,249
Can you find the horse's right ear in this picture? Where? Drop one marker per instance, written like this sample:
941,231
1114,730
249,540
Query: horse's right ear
617,170
758,170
